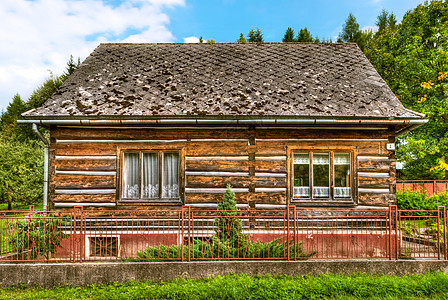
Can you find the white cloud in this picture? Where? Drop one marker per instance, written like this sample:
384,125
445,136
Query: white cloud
37,36
369,27
191,39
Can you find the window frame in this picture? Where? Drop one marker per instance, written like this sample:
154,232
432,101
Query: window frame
331,200
160,150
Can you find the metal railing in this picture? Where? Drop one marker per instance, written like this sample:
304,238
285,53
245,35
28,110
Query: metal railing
192,235
431,187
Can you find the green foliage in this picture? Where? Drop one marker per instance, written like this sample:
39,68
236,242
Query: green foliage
229,227
289,36
242,286
255,36
36,236
412,57
214,248
242,39
350,30
229,240
352,34
304,36
410,200
21,172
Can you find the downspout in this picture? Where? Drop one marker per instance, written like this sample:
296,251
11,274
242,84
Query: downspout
46,157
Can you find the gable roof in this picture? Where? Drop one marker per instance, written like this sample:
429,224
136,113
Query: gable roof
282,80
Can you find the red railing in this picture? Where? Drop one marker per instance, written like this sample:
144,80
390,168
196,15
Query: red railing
193,235
430,186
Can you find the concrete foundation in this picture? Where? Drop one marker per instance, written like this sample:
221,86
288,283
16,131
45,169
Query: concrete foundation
50,275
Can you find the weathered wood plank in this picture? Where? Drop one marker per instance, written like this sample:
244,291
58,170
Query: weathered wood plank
216,148
236,182
258,198
217,165
374,165
320,134
74,133
376,199
83,149
85,165
83,198
369,182
278,166
82,181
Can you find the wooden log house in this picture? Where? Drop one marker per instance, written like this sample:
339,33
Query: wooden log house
164,125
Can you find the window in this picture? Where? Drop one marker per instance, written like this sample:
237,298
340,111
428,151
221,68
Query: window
150,175
320,175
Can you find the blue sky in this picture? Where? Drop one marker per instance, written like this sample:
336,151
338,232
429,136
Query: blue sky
38,36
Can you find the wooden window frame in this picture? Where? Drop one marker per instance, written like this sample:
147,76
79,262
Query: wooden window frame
331,201
156,149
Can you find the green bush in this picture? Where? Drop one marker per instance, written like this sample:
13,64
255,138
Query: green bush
411,200
229,240
36,235
218,249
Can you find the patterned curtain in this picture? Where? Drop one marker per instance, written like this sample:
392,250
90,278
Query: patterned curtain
170,175
131,170
150,175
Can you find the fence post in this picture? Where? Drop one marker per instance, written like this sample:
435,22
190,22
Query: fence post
182,239
287,228
393,228
445,239
434,188
78,240
389,227
439,213
189,233
295,233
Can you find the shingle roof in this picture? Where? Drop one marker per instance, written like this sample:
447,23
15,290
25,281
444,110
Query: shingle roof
219,80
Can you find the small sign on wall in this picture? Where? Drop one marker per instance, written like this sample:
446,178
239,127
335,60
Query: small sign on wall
390,146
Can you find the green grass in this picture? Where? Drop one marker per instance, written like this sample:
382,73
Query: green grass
4,206
361,286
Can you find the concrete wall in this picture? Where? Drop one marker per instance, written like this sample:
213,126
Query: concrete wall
49,275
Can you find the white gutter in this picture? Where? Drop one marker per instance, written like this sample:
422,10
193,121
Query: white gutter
117,122
46,157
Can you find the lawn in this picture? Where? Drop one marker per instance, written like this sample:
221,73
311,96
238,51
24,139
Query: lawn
361,286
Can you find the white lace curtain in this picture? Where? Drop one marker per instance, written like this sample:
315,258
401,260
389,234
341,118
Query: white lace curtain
131,176
170,175
149,182
150,175
342,192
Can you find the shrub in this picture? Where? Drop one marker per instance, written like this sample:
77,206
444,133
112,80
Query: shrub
418,200
36,235
229,240
228,227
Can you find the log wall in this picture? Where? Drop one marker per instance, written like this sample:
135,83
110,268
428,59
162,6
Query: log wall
84,163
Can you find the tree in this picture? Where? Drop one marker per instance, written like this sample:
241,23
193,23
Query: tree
304,36
351,33
21,172
350,30
242,39
412,57
289,36
385,21
229,227
211,41
255,36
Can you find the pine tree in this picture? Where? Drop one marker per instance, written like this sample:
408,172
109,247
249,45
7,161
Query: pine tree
304,36
289,36
229,227
255,36
242,39
382,21
350,31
